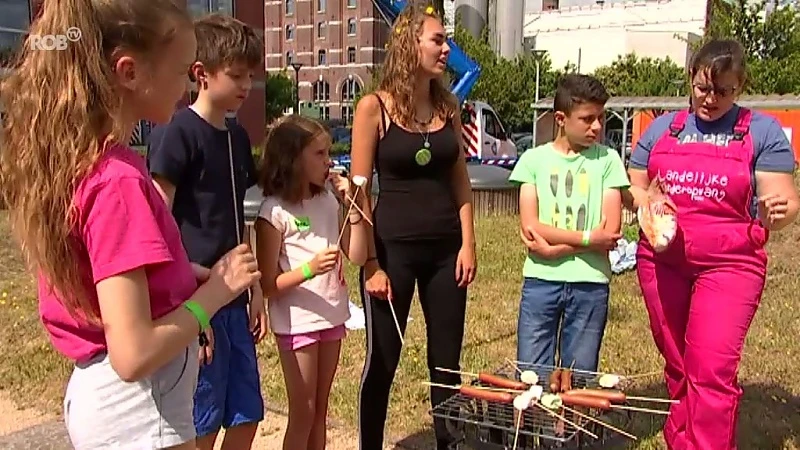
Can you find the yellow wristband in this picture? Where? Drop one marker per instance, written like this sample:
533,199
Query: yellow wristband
586,236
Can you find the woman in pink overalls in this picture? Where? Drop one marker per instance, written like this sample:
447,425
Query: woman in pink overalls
729,172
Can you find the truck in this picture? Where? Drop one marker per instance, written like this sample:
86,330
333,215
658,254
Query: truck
486,139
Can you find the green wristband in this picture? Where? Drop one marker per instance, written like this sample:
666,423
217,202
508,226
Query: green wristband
199,313
307,274
586,236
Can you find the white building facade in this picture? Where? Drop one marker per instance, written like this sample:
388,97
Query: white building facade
595,35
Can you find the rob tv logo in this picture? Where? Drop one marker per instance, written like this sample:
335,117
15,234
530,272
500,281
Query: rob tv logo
51,42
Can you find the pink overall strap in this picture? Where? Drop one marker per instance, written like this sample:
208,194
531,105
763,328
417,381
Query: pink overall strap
678,123
742,126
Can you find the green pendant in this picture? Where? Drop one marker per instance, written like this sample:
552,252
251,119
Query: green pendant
423,156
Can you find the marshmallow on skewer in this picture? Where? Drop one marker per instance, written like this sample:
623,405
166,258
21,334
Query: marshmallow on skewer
551,401
535,392
529,377
359,181
522,402
609,380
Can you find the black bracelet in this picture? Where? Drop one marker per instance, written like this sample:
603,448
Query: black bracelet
372,258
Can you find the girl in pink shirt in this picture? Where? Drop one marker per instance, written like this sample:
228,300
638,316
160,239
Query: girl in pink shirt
297,232
117,293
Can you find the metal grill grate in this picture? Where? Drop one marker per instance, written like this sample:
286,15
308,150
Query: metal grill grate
493,425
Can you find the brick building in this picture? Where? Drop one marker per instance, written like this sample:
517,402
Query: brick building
16,16
336,41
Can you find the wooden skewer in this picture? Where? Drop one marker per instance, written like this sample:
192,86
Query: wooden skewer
598,421
516,367
483,388
625,377
345,222
651,399
644,410
516,432
466,374
642,375
358,208
565,420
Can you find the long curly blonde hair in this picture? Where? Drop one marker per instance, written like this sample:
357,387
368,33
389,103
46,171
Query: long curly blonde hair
402,63
62,112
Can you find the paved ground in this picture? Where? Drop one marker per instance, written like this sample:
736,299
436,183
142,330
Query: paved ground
30,430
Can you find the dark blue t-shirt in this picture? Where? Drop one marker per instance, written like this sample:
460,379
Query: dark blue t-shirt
193,155
772,150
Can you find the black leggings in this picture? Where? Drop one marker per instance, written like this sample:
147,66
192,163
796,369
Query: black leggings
430,265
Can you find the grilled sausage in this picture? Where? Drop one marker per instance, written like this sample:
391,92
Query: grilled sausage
566,380
612,396
586,401
555,381
483,394
501,382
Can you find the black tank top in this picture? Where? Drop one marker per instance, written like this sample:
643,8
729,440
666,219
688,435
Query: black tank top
416,199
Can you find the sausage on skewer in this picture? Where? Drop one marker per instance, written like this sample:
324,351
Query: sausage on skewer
612,396
555,381
586,401
483,394
502,382
566,380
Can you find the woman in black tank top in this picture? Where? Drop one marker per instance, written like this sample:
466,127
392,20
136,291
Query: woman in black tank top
409,131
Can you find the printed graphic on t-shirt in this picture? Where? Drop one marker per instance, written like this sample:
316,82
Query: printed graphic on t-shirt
570,195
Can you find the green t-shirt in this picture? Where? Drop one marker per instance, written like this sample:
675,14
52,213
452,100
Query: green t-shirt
570,196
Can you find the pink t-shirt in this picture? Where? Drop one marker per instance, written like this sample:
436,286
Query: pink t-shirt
308,228
123,224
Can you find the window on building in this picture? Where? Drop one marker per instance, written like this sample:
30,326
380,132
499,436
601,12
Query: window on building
289,32
351,55
322,30
351,3
351,27
325,113
350,89
347,114
322,58
14,23
321,5
199,8
322,91
289,7
289,58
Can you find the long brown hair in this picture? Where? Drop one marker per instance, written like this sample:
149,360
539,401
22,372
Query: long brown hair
402,62
62,112
281,172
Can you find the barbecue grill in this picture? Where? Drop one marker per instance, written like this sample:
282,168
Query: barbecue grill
481,425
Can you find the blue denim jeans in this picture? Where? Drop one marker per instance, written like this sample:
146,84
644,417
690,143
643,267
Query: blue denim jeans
570,317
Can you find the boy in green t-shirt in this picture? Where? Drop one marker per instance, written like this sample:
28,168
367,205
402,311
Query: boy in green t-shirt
570,211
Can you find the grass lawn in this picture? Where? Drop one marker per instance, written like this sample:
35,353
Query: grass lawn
770,373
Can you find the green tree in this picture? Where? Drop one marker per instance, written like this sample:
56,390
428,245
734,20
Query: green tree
498,75
771,42
279,93
630,75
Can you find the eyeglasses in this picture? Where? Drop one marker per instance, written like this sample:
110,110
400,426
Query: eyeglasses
704,90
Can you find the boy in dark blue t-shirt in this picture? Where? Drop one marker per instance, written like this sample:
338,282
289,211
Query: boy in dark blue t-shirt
204,165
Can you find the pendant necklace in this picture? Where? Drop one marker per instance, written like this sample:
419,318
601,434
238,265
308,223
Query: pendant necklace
423,155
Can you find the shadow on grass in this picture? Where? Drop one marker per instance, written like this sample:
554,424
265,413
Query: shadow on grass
769,418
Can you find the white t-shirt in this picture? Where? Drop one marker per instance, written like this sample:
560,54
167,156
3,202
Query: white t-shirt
307,229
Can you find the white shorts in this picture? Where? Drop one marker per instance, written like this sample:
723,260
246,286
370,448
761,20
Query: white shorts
103,412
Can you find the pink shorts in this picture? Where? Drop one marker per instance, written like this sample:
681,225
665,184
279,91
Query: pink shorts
292,342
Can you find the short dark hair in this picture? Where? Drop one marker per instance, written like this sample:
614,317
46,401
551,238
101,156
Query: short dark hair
719,56
279,173
576,89
223,41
